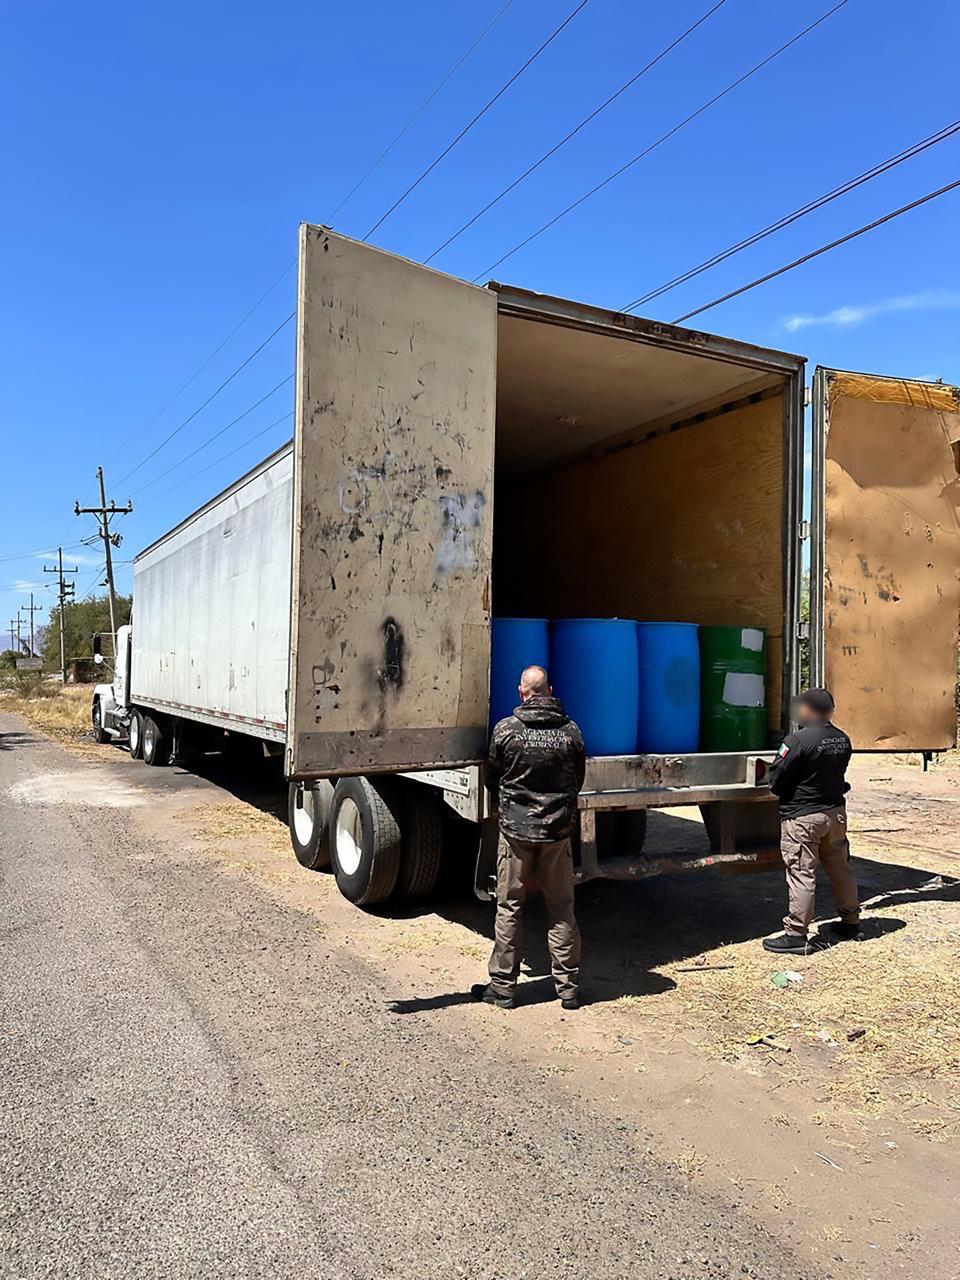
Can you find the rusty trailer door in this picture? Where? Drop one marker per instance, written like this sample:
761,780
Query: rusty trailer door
393,508
885,564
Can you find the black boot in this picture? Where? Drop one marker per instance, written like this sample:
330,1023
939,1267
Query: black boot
483,992
791,944
846,932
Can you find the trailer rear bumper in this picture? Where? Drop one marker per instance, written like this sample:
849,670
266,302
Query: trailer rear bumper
641,868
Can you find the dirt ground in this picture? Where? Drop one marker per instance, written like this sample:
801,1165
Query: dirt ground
842,1139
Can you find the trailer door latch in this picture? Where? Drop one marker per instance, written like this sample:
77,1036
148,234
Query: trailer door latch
803,530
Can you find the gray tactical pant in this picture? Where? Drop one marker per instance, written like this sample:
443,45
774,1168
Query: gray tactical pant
551,865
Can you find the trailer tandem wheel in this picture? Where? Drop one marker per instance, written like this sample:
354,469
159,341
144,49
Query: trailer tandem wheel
309,805
366,846
156,743
421,831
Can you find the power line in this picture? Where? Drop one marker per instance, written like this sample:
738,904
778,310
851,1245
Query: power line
807,257
213,354
212,396
290,265
419,111
216,435
573,132
479,116
41,551
883,167
223,457
92,583
659,142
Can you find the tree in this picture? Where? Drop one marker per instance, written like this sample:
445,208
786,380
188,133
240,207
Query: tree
81,620
805,642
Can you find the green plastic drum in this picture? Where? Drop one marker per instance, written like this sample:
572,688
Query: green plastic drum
733,666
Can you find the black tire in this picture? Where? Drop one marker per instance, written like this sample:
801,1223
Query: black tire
156,743
309,806
365,842
421,838
135,735
96,715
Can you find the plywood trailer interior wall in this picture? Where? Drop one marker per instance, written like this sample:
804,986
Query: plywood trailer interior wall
638,482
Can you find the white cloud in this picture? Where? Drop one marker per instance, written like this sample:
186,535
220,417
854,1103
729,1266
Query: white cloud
846,317
80,558
22,584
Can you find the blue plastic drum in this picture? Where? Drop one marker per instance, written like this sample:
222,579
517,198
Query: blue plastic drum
515,643
669,663
595,674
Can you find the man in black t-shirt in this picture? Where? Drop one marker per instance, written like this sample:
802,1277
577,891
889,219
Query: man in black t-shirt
809,777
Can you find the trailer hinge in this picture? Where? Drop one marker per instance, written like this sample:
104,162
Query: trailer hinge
803,630
803,530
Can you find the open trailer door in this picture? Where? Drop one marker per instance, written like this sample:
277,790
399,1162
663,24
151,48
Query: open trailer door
885,565
393,508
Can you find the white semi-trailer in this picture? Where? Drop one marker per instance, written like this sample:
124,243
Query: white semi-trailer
335,602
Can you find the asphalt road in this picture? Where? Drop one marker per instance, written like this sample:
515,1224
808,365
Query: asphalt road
193,1083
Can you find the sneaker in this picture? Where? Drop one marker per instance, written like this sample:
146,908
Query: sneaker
846,932
570,1003
483,992
794,944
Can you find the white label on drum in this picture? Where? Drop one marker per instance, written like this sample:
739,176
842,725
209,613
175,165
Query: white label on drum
743,689
751,638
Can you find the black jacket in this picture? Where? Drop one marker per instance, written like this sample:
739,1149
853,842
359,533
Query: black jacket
537,763
809,772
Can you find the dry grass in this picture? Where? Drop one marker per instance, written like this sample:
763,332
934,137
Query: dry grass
240,822
63,712
898,995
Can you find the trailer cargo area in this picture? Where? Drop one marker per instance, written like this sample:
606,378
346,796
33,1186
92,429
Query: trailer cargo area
635,480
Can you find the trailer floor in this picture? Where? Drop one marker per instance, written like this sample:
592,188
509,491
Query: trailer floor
246,1075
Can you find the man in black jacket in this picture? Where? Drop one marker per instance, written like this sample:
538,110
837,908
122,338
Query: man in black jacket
536,764
809,777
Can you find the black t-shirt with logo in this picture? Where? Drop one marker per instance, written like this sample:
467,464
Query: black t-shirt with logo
809,773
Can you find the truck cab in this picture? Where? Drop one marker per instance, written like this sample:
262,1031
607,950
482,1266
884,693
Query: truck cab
110,712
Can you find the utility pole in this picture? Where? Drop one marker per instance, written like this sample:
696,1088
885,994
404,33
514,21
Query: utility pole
31,608
65,591
13,634
104,514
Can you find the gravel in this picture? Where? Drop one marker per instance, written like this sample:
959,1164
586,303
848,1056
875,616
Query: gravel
193,1083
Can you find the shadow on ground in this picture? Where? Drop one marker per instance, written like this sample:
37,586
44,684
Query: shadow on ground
15,740
630,928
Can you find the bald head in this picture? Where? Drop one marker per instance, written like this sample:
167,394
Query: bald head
533,681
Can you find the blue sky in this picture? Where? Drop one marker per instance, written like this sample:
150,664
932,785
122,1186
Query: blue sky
157,160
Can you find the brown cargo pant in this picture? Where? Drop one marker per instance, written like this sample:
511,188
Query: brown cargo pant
551,865
805,841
